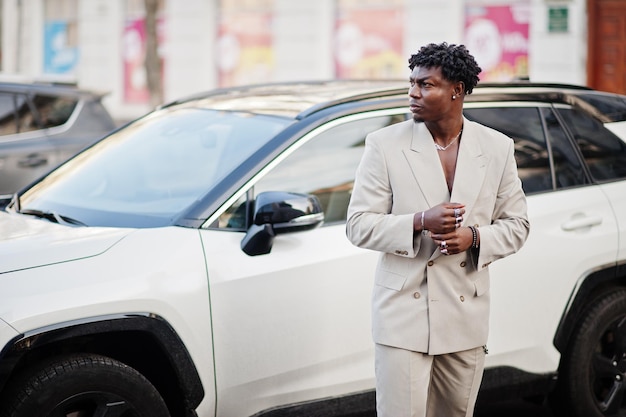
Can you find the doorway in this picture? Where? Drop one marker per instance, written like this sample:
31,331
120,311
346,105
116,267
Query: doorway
606,62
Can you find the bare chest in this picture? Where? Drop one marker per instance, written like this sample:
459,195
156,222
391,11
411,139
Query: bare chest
448,160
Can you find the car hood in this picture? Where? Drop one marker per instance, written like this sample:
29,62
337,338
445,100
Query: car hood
28,242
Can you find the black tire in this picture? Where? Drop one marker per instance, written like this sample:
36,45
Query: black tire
592,376
84,385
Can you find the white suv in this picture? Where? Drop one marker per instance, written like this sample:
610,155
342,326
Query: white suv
194,262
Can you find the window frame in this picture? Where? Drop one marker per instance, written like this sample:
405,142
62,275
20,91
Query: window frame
579,152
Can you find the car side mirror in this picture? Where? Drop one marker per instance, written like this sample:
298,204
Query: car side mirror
278,212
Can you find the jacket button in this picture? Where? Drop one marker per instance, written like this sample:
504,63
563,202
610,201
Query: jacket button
431,263
462,298
416,295
463,264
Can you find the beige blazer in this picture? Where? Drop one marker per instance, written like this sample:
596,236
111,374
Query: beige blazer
422,300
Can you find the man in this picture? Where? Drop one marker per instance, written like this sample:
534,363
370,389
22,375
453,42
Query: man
440,198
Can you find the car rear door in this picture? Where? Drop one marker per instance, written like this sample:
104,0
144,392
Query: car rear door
572,231
604,152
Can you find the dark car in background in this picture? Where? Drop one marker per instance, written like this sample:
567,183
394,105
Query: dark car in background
44,124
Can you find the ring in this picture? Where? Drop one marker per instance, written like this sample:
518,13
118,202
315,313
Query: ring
444,251
457,225
458,219
457,212
443,244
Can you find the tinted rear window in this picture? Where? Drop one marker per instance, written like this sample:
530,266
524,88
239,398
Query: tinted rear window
606,107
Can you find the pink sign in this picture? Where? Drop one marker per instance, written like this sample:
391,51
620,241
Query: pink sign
134,49
497,36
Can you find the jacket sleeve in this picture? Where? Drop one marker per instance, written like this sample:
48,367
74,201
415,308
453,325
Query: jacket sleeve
371,223
509,226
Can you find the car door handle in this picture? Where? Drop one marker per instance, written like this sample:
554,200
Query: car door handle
581,222
32,161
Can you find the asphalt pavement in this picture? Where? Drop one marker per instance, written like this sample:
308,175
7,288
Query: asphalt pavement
513,409
505,409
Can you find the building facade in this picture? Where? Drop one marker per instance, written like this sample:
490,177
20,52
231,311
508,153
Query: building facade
204,44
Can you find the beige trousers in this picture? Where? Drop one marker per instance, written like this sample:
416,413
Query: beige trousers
413,384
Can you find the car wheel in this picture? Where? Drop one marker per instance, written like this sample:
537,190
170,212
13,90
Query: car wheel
86,386
593,371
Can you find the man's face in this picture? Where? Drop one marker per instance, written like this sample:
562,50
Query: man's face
430,95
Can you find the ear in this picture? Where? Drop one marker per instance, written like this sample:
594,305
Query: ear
459,88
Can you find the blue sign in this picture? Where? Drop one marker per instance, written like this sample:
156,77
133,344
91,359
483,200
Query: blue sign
59,57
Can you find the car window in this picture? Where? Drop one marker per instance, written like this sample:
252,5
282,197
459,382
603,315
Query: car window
18,114
568,168
603,151
53,111
606,107
324,166
532,151
15,114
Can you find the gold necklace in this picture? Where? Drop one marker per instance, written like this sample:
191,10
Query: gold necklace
443,148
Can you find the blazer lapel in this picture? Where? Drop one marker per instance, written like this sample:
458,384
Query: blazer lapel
471,168
426,166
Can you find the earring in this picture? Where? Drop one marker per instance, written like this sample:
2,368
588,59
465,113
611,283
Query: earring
454,97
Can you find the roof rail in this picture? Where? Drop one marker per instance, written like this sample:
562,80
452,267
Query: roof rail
526,83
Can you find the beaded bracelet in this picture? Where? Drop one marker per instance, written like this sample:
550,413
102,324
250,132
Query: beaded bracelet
474,237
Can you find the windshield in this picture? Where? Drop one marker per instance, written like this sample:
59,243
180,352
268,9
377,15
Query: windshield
150,171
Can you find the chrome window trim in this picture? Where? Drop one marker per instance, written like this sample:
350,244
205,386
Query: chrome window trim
501,104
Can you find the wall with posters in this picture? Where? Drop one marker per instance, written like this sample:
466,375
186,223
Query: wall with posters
207,44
